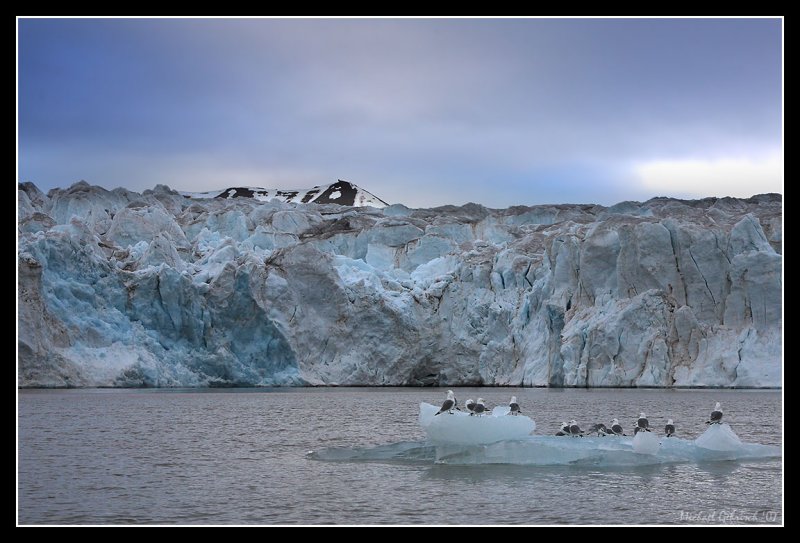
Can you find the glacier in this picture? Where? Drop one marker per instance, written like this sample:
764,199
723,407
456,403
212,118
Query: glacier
119,288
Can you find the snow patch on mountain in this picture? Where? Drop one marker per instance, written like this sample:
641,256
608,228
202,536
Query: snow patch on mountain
342,193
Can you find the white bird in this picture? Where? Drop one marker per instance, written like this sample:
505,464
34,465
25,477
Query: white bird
574,429
642,424
470,405
616,428
480,407
716,415
514,406
448,404
669,429
564,429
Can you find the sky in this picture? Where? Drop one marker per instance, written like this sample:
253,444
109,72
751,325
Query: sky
422,112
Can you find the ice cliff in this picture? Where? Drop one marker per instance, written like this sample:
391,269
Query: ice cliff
118,288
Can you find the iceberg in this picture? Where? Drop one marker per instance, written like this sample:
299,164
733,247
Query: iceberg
600,451
463,429
719,437
497,438
646,443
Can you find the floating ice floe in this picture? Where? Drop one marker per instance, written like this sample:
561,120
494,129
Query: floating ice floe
496,438
464,429
499,439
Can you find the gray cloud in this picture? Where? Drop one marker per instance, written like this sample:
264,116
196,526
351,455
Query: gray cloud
501,112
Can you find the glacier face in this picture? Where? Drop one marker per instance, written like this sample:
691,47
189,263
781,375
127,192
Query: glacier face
118,288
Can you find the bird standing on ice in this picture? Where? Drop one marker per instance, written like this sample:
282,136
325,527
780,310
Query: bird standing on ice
716,415
564,429
514,406
480,407
448,404
599,429
470,405
669,429
642,424
616,428
574,429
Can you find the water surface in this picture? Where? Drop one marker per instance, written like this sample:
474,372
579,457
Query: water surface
242,456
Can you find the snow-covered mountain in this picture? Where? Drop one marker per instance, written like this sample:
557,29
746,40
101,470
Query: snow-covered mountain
156,289
342,193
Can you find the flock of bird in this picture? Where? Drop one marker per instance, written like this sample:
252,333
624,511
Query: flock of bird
478,408
474,408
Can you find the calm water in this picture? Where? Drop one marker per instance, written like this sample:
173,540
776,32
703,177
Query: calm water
241,456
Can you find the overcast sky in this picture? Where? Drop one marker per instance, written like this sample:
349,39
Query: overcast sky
423,112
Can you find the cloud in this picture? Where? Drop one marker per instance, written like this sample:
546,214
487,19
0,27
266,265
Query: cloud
739,177
425,112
